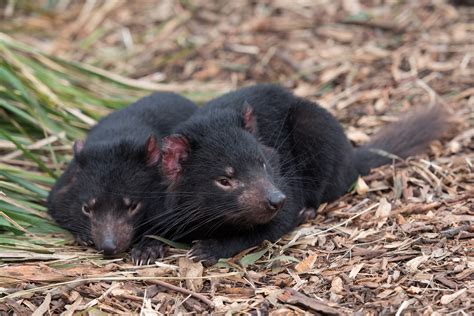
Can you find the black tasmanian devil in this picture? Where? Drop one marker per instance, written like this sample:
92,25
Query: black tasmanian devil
253,164
113,184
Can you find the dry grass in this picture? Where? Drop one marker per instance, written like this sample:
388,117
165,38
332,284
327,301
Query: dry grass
402,244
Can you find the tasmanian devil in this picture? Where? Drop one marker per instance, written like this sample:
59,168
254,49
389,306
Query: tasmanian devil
113,185
252,164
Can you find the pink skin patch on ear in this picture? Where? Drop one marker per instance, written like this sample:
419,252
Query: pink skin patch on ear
250,122
152,151
175,150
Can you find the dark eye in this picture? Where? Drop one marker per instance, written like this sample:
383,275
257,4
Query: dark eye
224,182
87,210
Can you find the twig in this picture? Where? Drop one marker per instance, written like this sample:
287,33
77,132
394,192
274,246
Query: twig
184,291
386,26
346,221
291,296
415,208
44,307
97,279
450,233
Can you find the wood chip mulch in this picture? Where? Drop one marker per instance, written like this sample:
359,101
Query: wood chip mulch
401,243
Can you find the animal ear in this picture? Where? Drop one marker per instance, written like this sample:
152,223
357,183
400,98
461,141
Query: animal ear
175,151
250,121
77,147
153,153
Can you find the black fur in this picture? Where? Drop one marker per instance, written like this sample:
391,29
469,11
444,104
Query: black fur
407,137
314,159
196,208
307,155
114,171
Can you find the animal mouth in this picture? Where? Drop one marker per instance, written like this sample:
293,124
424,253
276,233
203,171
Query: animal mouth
112,243
112,235
110,248
260,203
256,216
110,251
266,216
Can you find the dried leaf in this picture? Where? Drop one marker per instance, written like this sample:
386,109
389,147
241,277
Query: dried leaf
361,187
44,307
446,299
332,73
190,269
396,244
336,286
369,253
383,211
366,233
437,253
355,270
385,293
72,307
292,296
465,274
403,306
414,290
239,291
365,82
446,281
306,264
413,264
12,274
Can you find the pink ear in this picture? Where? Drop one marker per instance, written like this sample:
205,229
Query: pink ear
250,121
175,151
78,146
152,151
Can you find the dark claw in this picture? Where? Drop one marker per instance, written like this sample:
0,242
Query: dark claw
83,240
206,251
306,214
148,250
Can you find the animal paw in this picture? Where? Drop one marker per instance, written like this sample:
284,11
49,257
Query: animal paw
206,251
83,240
148,250
306,214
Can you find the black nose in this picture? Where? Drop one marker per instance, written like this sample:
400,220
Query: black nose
109,247
276,199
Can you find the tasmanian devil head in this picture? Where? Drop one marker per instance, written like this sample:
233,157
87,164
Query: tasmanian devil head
117,185
219,175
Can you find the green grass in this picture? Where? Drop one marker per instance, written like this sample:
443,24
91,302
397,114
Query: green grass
45,104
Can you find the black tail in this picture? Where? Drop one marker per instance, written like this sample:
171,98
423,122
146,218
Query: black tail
404,138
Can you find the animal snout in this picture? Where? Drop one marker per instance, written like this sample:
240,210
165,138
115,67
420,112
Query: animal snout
109,247
276,199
